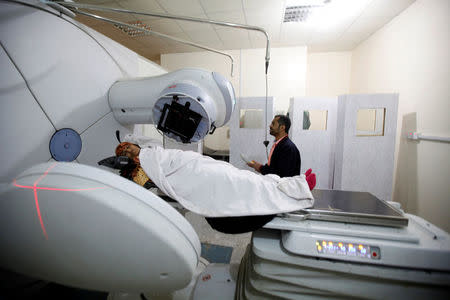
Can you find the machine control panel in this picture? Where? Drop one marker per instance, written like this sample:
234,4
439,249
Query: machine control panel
347,249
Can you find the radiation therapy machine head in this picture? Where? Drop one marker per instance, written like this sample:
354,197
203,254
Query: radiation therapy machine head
185,105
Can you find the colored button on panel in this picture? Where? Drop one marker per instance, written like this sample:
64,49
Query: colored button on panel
375,253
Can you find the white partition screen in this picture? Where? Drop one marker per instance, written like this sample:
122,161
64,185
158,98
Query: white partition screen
365,143
313,130
248,127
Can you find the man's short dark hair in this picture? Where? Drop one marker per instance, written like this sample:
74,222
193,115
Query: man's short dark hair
284,120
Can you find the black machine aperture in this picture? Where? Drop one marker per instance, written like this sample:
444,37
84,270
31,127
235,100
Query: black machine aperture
179,120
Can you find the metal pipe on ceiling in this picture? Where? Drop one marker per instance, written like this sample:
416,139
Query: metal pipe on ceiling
161,35
175,17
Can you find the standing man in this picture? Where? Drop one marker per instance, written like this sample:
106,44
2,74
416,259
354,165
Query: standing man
284,158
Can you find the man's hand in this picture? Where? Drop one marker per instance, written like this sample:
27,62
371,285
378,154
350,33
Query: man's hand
255,165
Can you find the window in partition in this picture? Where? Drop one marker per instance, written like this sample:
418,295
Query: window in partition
370,122
251,118
315,119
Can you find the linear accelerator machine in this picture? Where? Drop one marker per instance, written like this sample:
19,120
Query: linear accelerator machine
65,220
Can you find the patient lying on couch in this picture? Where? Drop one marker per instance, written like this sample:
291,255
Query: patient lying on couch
231,199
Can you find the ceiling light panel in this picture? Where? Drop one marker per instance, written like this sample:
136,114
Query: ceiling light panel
299,11
132,31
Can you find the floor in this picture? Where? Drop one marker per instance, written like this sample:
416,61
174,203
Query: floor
208,235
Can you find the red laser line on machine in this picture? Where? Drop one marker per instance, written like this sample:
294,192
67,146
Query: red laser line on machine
36,200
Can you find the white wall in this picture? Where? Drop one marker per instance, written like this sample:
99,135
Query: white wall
286,76
328,74
410,56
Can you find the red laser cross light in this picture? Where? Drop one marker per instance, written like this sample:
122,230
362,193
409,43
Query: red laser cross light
36,201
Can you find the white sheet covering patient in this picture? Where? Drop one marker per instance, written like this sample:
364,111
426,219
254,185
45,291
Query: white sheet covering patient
215,188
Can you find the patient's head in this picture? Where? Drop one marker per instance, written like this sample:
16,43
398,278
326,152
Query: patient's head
131,151
128,149
134,171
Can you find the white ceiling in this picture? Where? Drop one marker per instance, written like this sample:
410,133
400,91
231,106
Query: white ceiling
338,29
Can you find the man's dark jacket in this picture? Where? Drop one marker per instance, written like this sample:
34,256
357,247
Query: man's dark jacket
285,161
